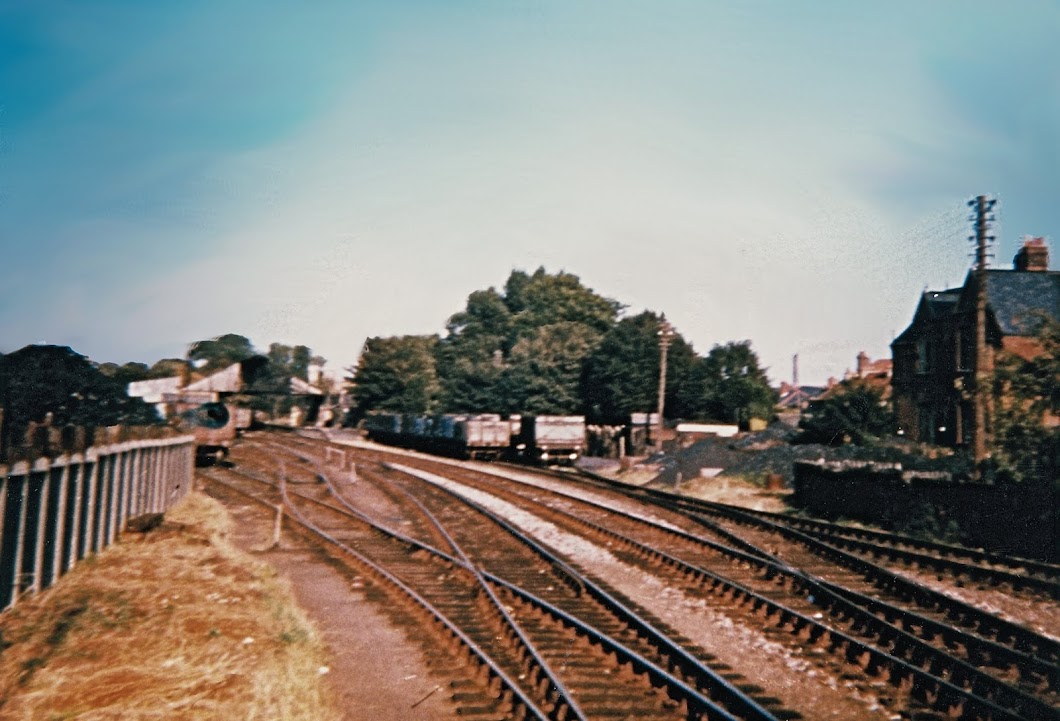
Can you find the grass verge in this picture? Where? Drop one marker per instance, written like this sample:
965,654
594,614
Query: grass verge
174,624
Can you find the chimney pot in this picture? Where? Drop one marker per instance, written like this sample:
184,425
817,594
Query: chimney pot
1033,256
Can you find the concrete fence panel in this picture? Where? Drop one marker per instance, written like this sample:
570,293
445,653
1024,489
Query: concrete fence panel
56,511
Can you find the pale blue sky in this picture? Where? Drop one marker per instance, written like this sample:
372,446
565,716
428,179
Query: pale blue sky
791,173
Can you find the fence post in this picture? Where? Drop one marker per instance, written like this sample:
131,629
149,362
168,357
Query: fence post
20,541
42,530
107,481
5,483
77,518
117,480
149,486
60,522
88,528
131,481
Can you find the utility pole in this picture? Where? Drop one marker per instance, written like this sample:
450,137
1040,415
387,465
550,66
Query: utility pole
983,365
666,334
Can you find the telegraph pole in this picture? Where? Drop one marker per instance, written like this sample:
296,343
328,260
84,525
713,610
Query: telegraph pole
666,334
983,365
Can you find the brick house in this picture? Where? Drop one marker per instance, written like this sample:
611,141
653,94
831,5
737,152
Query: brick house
934,358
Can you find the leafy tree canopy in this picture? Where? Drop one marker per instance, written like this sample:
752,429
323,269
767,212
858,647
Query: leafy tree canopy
42,379
166,368
486,363
541,376
1027,391
621,375
220,352
397,374
735,387
542,299
126,373
856,414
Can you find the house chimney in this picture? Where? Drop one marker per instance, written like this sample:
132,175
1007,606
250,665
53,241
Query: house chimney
863,363
1033,256
795,370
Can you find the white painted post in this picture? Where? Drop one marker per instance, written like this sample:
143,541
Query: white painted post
20,541
127,487
77,532
60,522
42,529
106,473
89,525
5,482
117,480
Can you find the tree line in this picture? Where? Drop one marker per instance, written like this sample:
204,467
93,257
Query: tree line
547,344
55,385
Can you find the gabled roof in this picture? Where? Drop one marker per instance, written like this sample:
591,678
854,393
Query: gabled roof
227,380
794,397
933,304
301,387
153,390
1017,298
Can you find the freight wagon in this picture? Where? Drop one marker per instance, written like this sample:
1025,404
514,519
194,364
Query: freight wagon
549,440
484,436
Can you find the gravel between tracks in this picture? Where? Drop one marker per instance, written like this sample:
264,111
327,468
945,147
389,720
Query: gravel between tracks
799,681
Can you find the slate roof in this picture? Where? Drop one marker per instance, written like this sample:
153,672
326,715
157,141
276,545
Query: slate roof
933,304
1017,297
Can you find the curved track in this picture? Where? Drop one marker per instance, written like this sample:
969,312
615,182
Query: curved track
929,650
557,645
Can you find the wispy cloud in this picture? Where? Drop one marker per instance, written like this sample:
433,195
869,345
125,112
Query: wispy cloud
755,172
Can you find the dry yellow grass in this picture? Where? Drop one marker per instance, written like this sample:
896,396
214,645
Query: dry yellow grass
175,624
736,492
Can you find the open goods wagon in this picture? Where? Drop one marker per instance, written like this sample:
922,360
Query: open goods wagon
485,436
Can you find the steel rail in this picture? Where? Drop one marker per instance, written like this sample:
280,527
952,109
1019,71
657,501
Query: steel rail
1048,573
688,663
565,706
1023,639
517,697
1046,578
692,667
838,605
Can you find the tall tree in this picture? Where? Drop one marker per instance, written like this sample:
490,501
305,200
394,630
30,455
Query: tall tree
734,387
126,373
621,376
166,368
543,369
39,380
471,356
220,352
396,374
486,362
543,299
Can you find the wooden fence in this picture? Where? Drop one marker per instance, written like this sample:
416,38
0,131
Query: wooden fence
1019,519
56,511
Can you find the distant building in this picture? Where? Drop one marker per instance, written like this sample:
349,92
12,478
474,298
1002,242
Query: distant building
934,359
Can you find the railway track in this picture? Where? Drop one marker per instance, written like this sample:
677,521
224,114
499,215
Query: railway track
558,645
930,660
793,601
966,565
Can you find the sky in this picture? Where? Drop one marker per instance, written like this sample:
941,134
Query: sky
794,174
